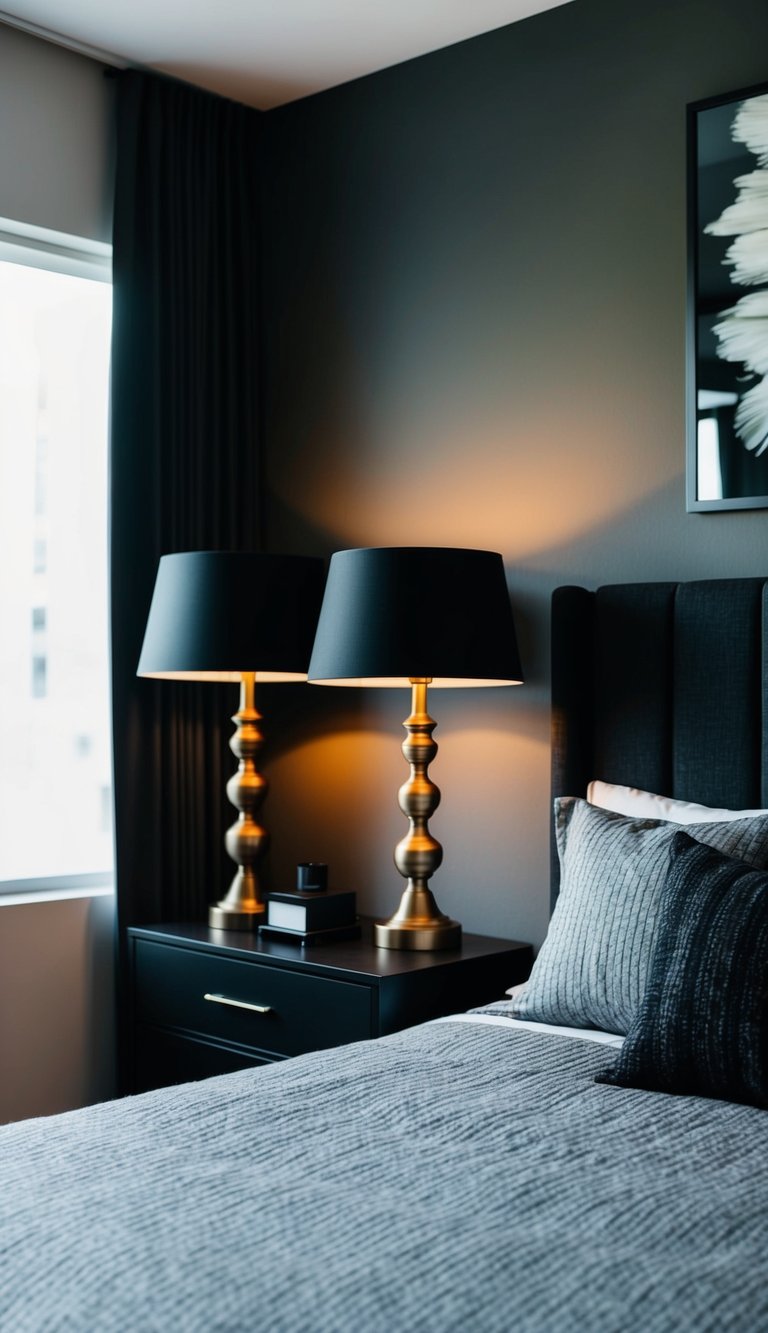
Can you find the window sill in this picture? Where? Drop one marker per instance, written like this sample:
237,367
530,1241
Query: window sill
55,895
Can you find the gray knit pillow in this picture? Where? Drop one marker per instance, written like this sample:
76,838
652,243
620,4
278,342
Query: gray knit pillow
593,966
702,1027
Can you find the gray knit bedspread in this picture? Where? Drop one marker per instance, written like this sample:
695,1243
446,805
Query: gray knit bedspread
454,1176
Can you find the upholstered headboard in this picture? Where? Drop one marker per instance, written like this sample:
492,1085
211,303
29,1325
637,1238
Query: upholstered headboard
662,686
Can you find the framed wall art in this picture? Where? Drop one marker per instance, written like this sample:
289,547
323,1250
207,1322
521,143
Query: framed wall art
727,371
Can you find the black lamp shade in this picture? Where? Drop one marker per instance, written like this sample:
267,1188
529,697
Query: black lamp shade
391,614
217,614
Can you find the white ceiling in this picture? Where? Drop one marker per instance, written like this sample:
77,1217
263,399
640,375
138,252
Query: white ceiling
265,52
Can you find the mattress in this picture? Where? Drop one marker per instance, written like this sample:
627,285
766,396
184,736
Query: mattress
459,1175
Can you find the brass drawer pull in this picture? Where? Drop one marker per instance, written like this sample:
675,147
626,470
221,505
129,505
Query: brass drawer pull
239,1004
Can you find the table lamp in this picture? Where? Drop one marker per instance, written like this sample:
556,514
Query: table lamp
417,615
231,616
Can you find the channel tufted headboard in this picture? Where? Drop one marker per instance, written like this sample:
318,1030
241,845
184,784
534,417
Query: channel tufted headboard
662,686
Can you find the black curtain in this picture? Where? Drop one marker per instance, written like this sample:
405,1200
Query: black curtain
185,471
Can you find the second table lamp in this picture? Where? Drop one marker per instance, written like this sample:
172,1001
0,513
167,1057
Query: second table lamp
416,616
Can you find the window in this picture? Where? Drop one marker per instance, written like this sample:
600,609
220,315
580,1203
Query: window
55,752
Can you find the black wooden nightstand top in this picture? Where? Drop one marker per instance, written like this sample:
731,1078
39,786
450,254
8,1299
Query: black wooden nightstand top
359,958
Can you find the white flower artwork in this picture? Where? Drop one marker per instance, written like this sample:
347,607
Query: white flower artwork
742,330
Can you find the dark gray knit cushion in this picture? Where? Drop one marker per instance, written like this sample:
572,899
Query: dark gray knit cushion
593,966
702,1026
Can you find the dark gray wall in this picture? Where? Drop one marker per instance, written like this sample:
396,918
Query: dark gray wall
475,297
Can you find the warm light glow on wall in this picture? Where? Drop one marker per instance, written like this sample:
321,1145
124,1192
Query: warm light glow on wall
522,487
346,780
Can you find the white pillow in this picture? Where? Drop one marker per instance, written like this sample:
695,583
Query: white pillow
638,804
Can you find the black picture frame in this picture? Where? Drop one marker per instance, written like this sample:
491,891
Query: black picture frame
727,336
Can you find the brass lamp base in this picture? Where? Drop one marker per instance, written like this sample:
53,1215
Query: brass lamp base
242,908
222,916
418,922
229,918
421,933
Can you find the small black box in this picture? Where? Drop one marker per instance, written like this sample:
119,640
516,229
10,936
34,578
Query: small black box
306,912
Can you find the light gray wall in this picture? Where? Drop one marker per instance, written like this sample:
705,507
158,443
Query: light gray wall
56,958
55,144
475,288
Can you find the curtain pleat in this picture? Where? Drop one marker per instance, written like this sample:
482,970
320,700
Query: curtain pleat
185,463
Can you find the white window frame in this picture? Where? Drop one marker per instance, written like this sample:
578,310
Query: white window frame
38,247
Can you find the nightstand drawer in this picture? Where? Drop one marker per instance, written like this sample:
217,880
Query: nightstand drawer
166,1057
265,1008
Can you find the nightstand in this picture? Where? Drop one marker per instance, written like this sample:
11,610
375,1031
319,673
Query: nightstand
210,1001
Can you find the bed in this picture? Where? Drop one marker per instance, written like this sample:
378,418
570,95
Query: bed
469,1173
